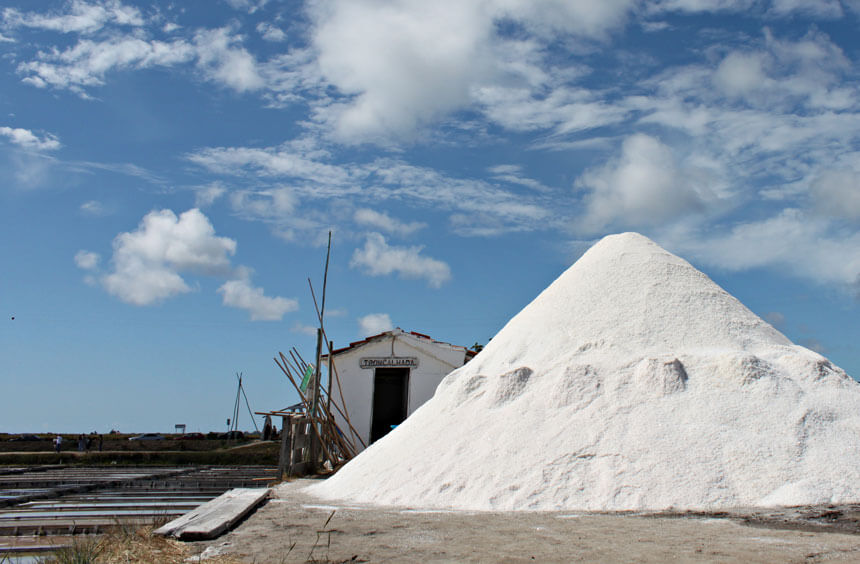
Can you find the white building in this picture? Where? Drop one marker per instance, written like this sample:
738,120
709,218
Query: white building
388,376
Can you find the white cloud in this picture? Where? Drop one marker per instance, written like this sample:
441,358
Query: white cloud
87,62
513,174
782,74
741,74
239,293
93,207
377,54
700,5
270,32
301,329
284,161
146,263
82,17
207,195
273,203
224,60
837,193
566,109
793,241
384,222
377,258
4,39
249,6
217,53
87,260
29,140
482,208
374,323
644,185
818,8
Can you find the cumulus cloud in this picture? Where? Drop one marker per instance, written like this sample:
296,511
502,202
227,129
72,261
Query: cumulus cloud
376,54
374,323
29,140
239,293
148,265
377,258
147,262
81,17
384,222
644,185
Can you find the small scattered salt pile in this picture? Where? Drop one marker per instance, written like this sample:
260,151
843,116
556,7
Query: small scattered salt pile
632,382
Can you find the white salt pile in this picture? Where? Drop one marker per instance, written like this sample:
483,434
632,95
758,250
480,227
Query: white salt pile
632,382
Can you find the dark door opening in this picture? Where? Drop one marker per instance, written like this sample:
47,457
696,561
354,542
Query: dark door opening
390,399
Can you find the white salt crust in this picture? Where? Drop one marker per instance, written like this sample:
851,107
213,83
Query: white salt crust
632,382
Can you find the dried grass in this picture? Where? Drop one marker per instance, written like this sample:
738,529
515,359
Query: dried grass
124,545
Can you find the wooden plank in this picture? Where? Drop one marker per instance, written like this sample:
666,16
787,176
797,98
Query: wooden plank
215,516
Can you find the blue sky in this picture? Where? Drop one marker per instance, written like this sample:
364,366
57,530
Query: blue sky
170,172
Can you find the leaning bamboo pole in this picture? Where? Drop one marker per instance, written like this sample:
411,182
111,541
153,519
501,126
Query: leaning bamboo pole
328,420
305,401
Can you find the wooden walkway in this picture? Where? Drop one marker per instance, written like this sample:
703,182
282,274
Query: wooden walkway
215,516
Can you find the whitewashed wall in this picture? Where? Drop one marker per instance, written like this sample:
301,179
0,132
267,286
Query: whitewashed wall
435,361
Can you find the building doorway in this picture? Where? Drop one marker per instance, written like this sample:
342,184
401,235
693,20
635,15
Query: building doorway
390,400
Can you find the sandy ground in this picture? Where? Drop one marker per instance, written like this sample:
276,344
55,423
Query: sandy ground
294,527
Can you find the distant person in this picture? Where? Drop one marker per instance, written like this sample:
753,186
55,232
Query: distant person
101,442
82,443
58,442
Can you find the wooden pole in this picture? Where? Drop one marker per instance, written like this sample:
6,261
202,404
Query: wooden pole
317,369
337,376
328,393
248,405
307,403
315,399
285,369
284,455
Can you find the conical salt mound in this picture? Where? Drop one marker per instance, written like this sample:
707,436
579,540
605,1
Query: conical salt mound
632,382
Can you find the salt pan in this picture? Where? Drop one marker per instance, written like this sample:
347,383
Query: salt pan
632,382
